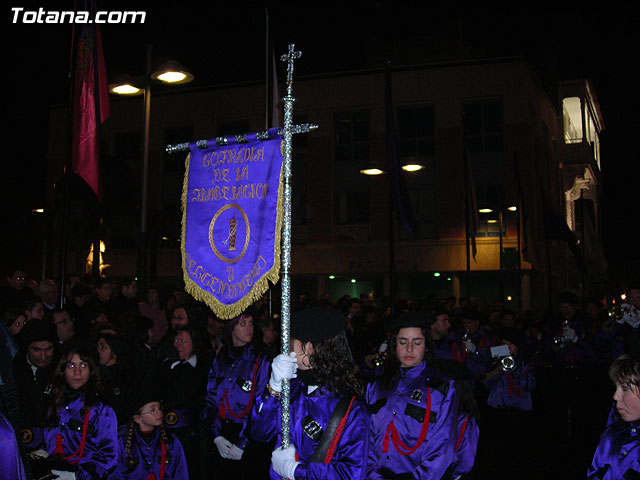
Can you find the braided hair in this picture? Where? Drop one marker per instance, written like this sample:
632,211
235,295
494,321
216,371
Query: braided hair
130,461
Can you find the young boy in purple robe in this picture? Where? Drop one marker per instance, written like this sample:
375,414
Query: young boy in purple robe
509,418
324,393
618,454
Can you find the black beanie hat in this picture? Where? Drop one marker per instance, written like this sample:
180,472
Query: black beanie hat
37,330
412,320
316,324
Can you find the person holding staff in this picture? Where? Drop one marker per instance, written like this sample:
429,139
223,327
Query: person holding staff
329,419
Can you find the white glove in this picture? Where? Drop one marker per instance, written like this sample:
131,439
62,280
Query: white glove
571,334
630,316
634,321
470,347
626,308
283,367
61,475
224,446
235,453
284,462
38,454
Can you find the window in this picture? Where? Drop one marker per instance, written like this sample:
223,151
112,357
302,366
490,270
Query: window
351,136
572,119
416,142
483,139
351,154
593,138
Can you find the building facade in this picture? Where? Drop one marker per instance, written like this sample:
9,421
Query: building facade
534,164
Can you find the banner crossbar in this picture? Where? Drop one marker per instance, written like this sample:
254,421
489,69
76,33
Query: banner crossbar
241,138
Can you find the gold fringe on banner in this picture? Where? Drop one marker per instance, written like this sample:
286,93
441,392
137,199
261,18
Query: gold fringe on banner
259,287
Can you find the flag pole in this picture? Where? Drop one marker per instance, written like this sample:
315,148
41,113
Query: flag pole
467,220
286,235
66,173
266,70
98,117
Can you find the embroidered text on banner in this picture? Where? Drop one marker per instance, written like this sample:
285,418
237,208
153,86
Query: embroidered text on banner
231,223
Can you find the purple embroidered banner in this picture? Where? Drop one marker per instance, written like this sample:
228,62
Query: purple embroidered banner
232,222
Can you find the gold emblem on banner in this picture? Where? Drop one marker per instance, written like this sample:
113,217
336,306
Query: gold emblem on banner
230,241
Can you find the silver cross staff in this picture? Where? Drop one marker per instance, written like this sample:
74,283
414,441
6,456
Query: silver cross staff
286,236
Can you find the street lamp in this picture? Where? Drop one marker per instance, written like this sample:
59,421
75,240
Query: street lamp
171,73
409,165
500,222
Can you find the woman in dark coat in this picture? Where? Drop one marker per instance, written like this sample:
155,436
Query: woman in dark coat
183,386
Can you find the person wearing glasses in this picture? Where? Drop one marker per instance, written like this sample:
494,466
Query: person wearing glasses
146,449
81,433
14,319
182,380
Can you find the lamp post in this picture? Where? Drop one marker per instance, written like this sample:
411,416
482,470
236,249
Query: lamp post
171,73
500,222
411,165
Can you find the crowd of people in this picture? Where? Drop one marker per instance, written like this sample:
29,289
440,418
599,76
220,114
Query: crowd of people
151,385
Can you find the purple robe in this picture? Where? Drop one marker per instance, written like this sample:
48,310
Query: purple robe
99,457
405,404
452,348
10,459
350,456
618,452
233,384
147,456
570,354
466,445
512,389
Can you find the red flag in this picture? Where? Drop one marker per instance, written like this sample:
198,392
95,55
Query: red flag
90,105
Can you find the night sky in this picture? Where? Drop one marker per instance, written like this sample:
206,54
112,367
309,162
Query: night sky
226,45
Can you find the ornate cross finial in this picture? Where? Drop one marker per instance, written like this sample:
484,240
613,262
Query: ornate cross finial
289,58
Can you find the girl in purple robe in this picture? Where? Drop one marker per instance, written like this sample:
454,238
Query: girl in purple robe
417,430
82,431
238,375
147,450
324,392
618,454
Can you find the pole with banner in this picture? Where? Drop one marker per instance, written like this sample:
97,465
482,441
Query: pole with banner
236,220
286,235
